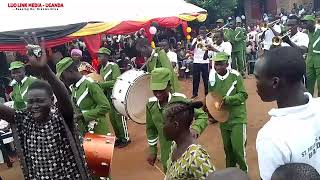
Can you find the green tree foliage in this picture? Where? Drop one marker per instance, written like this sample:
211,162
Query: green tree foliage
216,8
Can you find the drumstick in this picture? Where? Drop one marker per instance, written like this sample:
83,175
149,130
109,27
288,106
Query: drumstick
159,170
144,65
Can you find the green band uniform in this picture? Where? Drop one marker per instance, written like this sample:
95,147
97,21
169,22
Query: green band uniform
313,58
20,89
233,131
160,78
159,58
110,73
89,97
238,37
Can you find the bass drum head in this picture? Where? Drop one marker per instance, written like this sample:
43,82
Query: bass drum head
9,104
137,98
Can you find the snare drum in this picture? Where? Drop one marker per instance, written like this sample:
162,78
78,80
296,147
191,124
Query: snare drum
131,93
99,151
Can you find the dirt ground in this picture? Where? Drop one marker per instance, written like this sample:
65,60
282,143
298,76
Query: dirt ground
130,163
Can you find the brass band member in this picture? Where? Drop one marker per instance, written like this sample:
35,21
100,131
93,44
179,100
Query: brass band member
295,38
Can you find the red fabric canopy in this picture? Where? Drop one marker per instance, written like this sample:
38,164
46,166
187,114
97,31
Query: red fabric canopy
93,42
49,44
127,27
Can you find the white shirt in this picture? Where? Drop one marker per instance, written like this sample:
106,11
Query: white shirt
300,39
292,135
199,53
3,124
284,19
253,34
277,28
224,47
172,56
301,11
267,42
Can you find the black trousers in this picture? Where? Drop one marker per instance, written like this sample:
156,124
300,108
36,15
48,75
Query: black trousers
4,149
197,70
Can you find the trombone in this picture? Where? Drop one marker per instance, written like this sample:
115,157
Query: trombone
265,26
277,40
211,33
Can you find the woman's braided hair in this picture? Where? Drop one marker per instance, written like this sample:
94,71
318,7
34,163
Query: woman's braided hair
181,110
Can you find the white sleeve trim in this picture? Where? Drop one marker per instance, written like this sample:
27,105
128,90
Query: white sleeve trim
179,94
153,99
153,142
233,71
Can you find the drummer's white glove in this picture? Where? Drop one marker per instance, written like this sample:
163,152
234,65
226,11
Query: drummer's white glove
91,125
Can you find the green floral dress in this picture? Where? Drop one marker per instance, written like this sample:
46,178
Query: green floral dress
194,164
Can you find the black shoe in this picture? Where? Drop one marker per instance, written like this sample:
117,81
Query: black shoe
121,143
212,120
194,97
243,75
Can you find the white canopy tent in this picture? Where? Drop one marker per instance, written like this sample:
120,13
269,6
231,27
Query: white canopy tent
76,11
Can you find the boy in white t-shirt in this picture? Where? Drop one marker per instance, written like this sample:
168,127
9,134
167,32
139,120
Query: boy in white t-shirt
292,135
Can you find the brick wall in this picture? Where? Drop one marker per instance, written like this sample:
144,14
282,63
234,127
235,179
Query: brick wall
288,4
250,7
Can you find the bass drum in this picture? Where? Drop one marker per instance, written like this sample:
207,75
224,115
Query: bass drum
99,151
131,93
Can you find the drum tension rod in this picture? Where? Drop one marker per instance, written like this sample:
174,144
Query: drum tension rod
104,164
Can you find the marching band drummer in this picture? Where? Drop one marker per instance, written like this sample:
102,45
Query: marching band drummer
157,58
87,96
161,87
20,83
296,38
110,72
229,84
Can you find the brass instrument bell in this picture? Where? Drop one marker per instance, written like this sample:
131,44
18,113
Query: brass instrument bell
277,40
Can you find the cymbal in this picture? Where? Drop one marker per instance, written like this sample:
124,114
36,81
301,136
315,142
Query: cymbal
96,77
218,112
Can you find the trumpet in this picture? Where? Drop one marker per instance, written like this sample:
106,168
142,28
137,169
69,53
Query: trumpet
202,45
277,40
